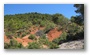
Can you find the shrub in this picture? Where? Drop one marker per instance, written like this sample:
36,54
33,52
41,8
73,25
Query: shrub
48,28
44,41
13,45
13,42
42,23
18,34
60,28
57,40
63,36
59,19
28,32
34,45
50,44
6,46
43,36
53,46
73,28
19,45
32,37
75,32
24,34
9,35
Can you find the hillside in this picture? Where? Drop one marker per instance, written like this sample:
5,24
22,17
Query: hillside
39,31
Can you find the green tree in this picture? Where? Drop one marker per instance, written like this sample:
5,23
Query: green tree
80,10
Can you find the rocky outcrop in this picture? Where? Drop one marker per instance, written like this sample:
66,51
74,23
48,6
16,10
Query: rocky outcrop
79,44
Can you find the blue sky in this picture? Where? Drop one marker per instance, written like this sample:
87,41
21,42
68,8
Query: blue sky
66,9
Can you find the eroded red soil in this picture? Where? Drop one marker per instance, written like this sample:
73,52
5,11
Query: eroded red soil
24,40
6,40
54,33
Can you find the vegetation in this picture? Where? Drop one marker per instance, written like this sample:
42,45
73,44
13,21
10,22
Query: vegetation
13,45
19,25
32,37
50,44
61,39
34,45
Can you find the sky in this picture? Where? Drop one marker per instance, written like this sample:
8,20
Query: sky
67,10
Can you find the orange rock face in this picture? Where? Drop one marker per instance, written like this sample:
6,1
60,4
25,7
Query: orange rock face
54,33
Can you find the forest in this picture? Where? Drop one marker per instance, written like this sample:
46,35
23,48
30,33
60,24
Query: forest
42,31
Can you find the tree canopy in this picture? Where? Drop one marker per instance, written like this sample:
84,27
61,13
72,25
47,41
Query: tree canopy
80,10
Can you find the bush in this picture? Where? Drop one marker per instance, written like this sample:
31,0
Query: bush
13,45
57,40
6,45
32,37
42,23
44,41
19,45
9,35
60,19
60,28
50,44
63,36
43,36
28,32
75,32
73,28
23,35
34,45
53,46
13,42
49,27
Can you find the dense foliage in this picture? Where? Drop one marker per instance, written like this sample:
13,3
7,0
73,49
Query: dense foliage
20,23
79,19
